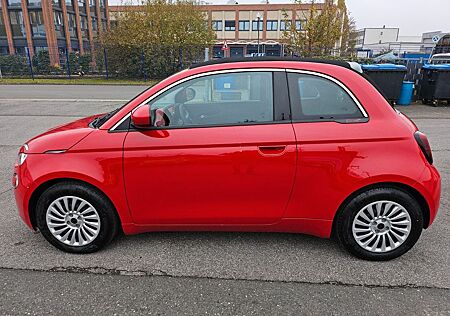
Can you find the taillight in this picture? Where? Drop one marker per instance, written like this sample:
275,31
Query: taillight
424,145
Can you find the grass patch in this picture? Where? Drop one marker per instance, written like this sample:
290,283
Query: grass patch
81,81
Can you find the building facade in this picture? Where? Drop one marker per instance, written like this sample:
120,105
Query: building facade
247,28
369,38
372,41
58,26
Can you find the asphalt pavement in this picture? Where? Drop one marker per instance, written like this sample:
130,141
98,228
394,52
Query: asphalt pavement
208,273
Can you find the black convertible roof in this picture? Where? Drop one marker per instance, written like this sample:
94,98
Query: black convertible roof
272,58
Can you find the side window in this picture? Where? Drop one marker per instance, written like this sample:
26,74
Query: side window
222,99
316,98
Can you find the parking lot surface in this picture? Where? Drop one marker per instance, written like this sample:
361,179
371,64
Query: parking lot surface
261,266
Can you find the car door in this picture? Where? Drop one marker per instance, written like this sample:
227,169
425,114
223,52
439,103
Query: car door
333,139
224,152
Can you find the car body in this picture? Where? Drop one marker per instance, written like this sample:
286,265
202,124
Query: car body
293,169
438,59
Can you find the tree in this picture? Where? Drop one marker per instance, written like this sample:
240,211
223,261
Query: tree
324,26
156,38
348,39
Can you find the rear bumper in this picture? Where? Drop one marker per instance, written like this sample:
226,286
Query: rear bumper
431,182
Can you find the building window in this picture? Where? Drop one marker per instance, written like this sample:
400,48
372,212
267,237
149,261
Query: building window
2,26
255,25
84,27
218,52
72,25
298,25
244,25
14,3
59,26
20,50
94,24
285,25
92,7
37,24
82,6
272,25
86,46
38,49
216,25
69,5
34,3
56,3
230,25
17,26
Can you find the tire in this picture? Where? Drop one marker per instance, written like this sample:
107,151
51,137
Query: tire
96,224
392,209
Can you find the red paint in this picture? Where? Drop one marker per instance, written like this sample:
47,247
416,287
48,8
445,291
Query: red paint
289,177
141,116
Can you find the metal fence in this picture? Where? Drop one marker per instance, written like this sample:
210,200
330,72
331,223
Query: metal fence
123,62
107,62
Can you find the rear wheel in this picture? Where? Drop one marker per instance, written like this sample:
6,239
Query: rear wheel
380,224
76,218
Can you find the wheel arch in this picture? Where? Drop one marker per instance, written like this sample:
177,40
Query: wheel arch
47,184
395,185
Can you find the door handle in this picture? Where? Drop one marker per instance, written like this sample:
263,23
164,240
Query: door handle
271,150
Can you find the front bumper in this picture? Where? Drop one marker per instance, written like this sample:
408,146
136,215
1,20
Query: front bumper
22,192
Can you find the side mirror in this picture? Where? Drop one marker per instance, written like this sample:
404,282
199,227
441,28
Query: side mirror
141,117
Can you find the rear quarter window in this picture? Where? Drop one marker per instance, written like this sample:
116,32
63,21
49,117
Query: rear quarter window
315,98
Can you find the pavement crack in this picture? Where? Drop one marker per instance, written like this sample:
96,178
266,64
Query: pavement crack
162,273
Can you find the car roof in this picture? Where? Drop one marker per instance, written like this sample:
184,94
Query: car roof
340,63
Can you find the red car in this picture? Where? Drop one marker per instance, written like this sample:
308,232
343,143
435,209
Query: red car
246,145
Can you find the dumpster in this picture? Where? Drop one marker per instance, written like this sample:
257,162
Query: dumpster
388,78
406,93
434,85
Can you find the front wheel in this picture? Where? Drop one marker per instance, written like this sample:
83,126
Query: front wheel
76,218
380,224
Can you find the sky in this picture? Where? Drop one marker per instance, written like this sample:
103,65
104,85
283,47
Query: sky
413,17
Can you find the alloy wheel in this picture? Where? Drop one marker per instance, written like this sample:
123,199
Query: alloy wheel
73,221
381,226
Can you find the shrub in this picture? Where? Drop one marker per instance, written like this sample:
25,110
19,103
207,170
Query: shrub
14,65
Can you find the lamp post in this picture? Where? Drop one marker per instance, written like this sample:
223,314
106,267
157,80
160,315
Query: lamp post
258,17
